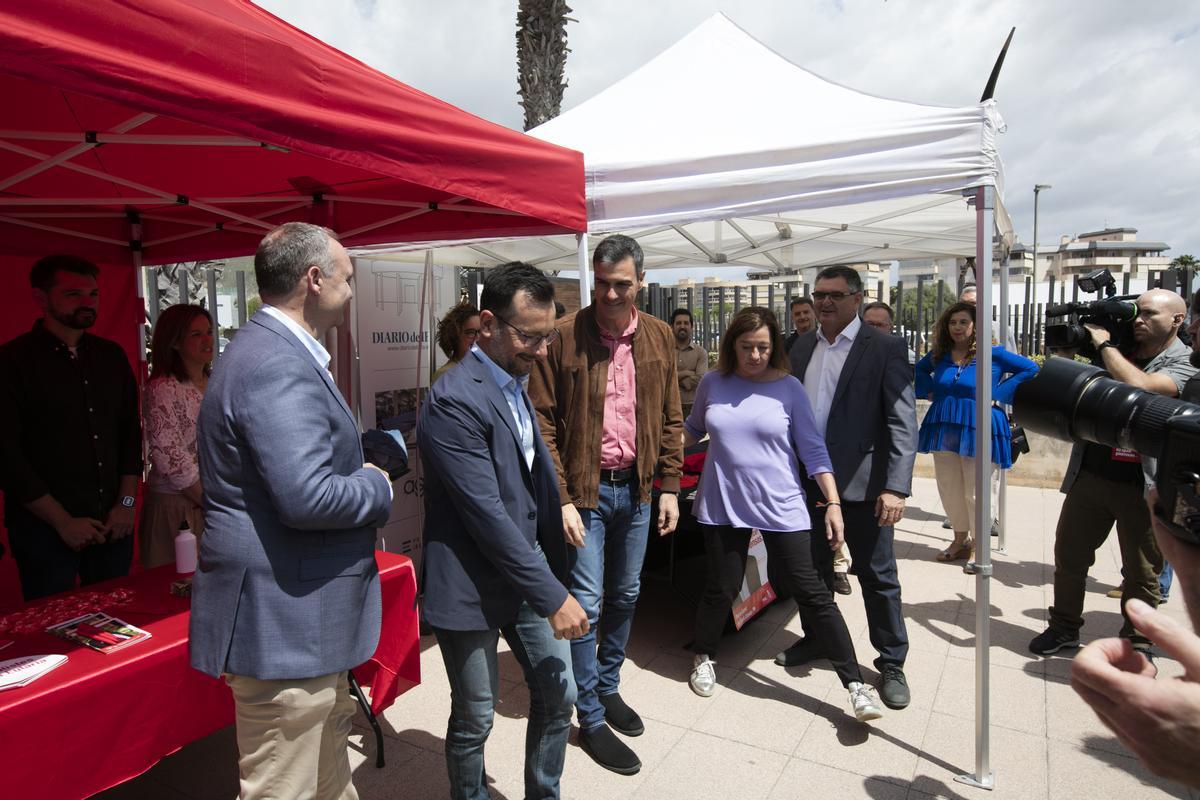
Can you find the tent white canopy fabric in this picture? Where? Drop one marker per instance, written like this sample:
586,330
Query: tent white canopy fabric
721,151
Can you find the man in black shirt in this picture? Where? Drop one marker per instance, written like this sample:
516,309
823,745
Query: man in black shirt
72,453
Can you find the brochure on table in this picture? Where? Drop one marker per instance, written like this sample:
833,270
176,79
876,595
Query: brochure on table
397,317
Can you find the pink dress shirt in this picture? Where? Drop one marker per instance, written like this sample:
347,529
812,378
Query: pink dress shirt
618,440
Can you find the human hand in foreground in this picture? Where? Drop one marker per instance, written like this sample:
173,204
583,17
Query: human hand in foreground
889,508
1158,720
668,513
835,529
573,526
1099,335
570,621
119,522
79,532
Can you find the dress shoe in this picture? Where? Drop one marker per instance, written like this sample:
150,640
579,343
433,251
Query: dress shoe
841,583
801,652
620,717
893,687
608,751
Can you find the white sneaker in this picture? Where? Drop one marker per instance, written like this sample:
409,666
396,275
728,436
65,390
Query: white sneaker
866,708
704,675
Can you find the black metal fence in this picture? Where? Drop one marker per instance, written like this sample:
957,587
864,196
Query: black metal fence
712,306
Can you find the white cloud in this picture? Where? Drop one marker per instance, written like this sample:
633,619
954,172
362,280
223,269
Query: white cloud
1098,96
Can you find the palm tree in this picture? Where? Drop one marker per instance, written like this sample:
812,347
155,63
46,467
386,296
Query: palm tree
1185,261
541,57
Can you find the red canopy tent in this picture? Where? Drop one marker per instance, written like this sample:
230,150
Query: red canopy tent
158,131
208,122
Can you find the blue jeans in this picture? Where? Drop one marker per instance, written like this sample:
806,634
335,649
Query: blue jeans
609,567
1165,579
470,658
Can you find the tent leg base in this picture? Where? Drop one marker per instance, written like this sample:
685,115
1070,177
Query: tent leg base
989,781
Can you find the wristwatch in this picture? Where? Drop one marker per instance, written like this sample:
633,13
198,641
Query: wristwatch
1100,347
127,501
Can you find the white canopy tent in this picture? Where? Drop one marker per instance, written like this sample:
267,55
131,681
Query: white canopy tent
720,151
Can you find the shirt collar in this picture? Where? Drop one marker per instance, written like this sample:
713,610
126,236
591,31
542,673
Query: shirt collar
315,348
629,329
502,378
849,333
48,339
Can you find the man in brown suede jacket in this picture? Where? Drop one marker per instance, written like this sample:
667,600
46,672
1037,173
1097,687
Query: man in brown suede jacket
607,398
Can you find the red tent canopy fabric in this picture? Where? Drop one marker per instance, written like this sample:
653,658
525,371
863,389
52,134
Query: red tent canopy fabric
185,129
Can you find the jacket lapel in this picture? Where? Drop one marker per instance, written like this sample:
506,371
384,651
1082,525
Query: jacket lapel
801,354
482,374
853,358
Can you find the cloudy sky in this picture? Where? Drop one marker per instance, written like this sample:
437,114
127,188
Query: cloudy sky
1100,97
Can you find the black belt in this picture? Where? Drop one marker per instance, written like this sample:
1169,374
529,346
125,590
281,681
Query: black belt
617,475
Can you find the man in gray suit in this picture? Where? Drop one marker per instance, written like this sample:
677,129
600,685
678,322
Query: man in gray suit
286,596
495,557
861,387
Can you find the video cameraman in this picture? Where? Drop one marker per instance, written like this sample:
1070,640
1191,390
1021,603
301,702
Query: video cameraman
1159,721
1106,485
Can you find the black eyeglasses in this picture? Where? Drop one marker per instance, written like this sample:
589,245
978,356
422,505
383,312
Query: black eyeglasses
531,340
836,297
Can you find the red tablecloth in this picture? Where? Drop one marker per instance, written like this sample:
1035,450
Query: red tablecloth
101,719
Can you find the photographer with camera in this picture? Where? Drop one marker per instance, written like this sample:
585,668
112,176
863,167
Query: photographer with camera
1106,484
1158,721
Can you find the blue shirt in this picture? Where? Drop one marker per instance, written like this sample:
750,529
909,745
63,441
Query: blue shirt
513,389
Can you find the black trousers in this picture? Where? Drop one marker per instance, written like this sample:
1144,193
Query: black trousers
874,563
47,566
792,574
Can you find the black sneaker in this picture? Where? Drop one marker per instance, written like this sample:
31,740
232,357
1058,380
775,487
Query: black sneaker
893,687
608,751
841,583
802,652
1053,639
620,717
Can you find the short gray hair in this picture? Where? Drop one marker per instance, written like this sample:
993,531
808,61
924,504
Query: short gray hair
287,252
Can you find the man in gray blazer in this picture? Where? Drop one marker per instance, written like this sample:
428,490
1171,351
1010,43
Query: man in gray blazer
286,596
861,387
495,556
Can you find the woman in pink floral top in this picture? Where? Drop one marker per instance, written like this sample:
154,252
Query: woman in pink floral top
181,358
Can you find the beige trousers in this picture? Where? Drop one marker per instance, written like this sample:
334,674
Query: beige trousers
841,559
292,737
956,486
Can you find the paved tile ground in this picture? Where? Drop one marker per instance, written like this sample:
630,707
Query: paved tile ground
773,733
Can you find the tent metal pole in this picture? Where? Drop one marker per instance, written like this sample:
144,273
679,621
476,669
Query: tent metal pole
1002,511
585,270
984,197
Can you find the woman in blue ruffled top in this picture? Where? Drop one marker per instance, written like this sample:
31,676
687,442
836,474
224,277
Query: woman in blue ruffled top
946,375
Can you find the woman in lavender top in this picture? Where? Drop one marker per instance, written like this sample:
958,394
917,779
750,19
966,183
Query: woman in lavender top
761,430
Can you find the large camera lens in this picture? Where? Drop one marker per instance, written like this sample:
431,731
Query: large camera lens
1072,401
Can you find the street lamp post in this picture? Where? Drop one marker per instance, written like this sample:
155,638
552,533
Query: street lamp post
1037,188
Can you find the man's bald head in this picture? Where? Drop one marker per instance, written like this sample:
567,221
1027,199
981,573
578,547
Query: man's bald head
1160,316
1164,299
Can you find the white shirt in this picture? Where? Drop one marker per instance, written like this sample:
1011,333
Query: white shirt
825,368
318,351
513,389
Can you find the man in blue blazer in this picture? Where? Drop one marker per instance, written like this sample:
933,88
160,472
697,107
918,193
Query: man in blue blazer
286,596
495,558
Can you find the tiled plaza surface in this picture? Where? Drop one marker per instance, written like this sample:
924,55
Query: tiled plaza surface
770,732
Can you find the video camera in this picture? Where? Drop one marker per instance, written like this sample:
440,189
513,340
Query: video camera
1076,402
1114,314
